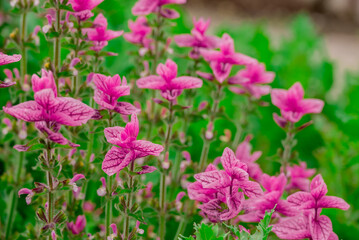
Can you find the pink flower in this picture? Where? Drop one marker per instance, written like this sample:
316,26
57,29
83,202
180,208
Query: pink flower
6,59
145,7
78,226
252,80
109,89
128,147
243,153
170,85
310,224
46,81
198,39
255,208
99,32
48,111
222,61
81,5
214,187
292,105
139,31
29,194
299,175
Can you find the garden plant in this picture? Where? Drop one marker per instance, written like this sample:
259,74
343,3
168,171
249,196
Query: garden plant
127,120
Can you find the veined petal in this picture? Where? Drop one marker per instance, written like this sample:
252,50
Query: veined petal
113,134
318,188
151,82
302,199
186,83
126,108
292,228
71,112
185,40
332,202
320,228
27,111
116,159
144,148
250,188
6,59
213,179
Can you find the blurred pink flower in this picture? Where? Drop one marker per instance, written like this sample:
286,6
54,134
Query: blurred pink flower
252,80
222,61
198,39
78,226
243,153
145,7
99,32
81,5
255,208
128,147
109,89
292,105
139,31
6,59
299,177
167,82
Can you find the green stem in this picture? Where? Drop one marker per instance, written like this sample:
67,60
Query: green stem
57,44
288,144
181,227
154,65
23,67
212,118
108,210
243,122
162,230
50,195
129,202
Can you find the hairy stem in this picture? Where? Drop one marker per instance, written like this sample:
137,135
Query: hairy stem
288,144
129,202
57,44
162,230
108,210
23,69
212,118
50,195
181,227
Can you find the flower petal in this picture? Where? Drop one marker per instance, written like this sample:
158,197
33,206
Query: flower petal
27,111
116,159
113,134
126,108
332,202
320,228
186,83
144,148
151,82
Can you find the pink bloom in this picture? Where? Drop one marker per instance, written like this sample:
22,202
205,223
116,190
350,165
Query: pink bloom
214,187
146,169
99,32
312,224
170,85
145,7
102,190
128,147
243,153
29,194
292,105
53,235
109,89
46,81
139,31
299,175
6,59
114,232
198,39
222,61
252,80
48,111
78,226
81,5
255,208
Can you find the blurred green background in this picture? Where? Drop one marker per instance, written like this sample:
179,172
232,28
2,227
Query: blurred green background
331,144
